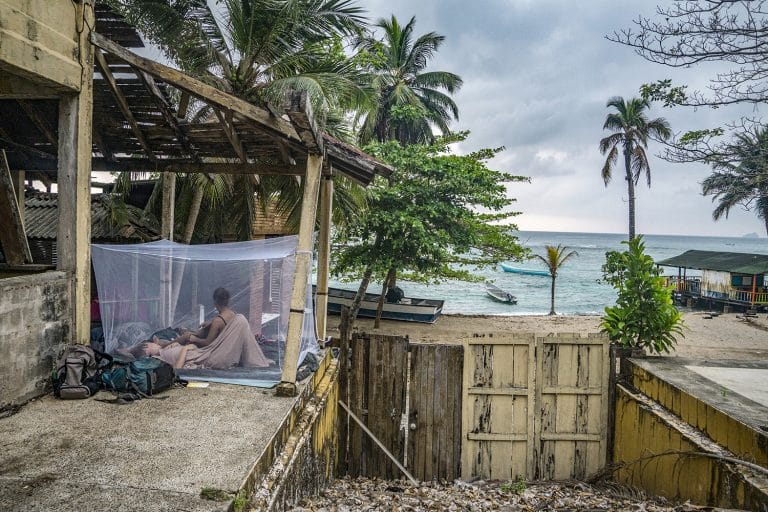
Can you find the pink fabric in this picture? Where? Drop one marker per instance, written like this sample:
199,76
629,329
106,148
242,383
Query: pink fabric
234,346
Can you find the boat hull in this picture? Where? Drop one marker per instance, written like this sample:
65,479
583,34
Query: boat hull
525,271
407,310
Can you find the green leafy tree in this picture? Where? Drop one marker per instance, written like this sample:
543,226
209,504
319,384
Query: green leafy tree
426,223
554,258
644,315
631,129
742,179
410,100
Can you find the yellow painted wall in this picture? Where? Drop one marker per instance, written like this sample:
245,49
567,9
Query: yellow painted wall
641,435
39,40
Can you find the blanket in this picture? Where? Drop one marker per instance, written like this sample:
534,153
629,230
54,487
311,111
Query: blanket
234,346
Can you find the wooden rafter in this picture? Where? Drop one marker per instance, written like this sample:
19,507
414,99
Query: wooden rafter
181,113
39,121
168,114
122,103
184,166
300,113
231,133
201,90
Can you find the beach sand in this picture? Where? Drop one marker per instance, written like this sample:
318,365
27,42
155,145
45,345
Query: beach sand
727,336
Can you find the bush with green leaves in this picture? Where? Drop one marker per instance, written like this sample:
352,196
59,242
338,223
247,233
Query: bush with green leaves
644,315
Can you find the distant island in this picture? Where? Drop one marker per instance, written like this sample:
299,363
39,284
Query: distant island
750,235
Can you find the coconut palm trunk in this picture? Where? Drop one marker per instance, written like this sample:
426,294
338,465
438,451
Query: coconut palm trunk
630,189
194,211
552,298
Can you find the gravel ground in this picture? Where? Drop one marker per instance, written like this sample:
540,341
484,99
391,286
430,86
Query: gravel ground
348,495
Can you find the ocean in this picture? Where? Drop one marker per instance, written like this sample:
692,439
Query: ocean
578,290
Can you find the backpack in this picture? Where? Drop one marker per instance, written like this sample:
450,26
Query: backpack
137,379
76,374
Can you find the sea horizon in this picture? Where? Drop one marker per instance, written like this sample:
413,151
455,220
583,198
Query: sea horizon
579,290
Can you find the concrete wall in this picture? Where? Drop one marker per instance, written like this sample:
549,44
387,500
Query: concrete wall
35,319
306,461
648,447
39,40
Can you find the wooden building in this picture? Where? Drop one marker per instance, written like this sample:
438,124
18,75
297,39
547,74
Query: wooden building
725,277
74,98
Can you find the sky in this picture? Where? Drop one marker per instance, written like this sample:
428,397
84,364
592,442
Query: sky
537,75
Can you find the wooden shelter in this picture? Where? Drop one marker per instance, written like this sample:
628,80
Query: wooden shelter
728,277
130,114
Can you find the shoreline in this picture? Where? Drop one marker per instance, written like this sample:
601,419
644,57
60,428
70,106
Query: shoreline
726,336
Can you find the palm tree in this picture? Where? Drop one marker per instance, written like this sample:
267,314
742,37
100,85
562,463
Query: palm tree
256,50
632,129
744,183
554,258
410,100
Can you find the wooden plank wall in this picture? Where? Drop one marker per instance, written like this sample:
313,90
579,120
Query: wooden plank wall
380,378
377,396
535,407
434,417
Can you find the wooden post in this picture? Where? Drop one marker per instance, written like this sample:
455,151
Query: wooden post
19,184
324,255
13,238
303,266
343,454
74,184
754,289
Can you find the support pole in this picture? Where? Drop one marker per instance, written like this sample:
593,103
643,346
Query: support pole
324,256
303,266
19,185
169,200
74,184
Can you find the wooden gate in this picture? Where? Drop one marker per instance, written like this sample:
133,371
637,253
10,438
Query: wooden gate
389,375
535,407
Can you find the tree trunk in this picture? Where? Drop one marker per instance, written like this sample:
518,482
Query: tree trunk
388,283
194,211
355,307
552,301
630,191
766,225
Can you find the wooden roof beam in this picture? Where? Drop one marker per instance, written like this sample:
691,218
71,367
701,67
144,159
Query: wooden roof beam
193,167
299,111
168,114
122,103
199,89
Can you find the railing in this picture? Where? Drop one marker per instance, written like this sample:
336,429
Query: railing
692,286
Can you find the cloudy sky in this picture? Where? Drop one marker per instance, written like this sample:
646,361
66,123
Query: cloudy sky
536,76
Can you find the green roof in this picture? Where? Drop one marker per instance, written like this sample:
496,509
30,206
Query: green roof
734,262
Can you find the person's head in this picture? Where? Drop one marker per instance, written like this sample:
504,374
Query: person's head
221,297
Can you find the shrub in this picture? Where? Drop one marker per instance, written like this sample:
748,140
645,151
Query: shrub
644,315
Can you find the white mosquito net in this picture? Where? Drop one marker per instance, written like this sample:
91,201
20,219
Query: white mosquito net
160,288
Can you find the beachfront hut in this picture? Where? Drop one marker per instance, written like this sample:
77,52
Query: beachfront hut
74,98
726,277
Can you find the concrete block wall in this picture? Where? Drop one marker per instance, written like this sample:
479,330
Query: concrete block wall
35,320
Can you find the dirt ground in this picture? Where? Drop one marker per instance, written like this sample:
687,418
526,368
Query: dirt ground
727,336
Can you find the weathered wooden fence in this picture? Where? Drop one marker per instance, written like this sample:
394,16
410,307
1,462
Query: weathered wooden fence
391,376
495,407
535,407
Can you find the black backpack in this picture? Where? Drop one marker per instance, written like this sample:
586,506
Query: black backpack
76,374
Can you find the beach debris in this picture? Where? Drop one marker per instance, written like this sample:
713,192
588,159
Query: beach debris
371,494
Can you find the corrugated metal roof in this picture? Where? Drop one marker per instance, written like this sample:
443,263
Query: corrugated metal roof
734,262
41,220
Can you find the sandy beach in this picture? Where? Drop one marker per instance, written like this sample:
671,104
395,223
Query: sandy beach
727,336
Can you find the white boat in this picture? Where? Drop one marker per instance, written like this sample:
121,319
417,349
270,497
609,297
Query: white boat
407,309
498,294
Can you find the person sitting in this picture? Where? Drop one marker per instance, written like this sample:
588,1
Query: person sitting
222,343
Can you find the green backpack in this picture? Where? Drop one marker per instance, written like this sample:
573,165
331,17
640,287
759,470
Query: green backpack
137,379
